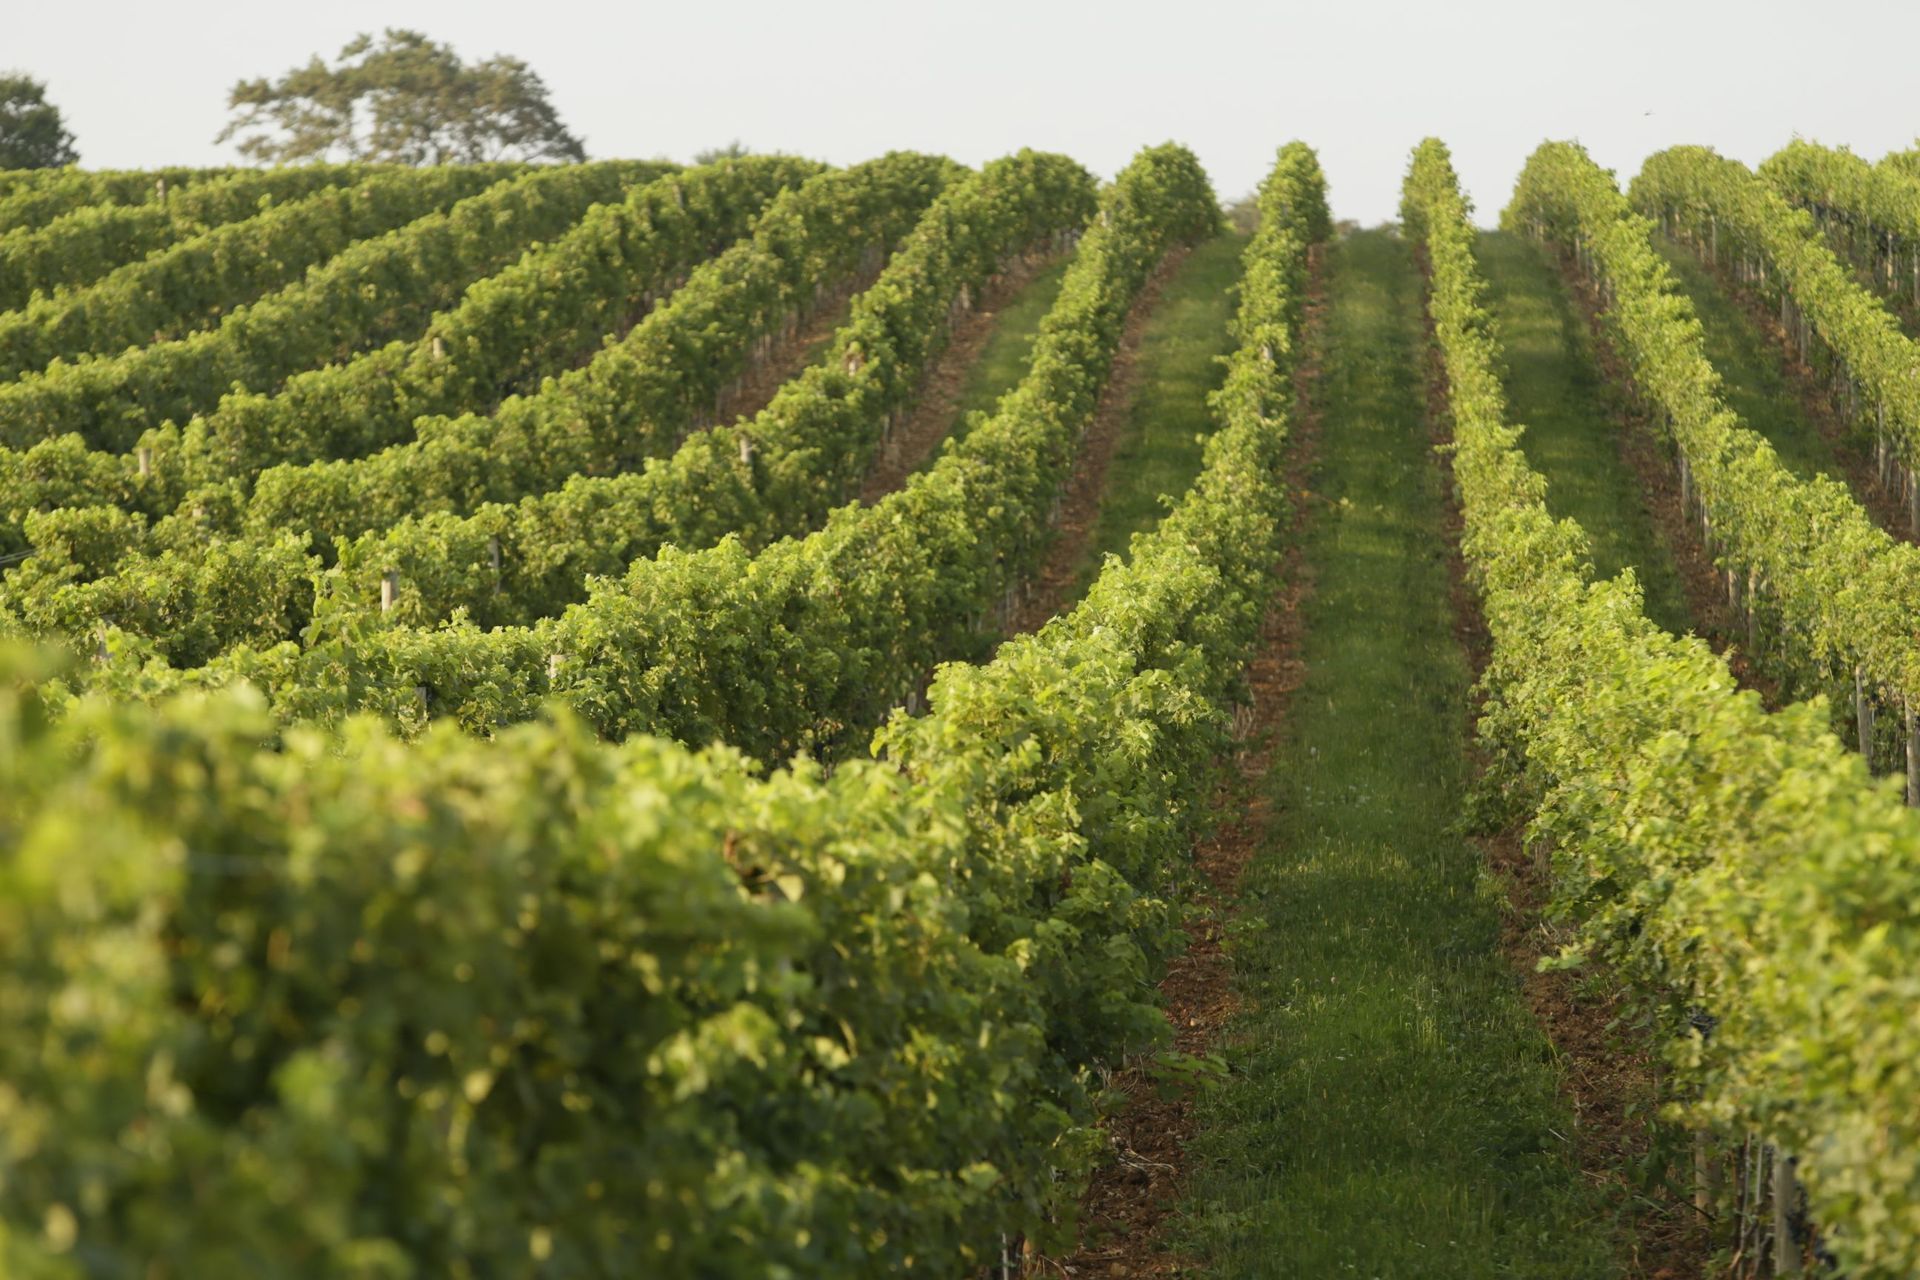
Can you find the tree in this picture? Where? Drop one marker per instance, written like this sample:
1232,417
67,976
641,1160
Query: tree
732,151
32,135
406,99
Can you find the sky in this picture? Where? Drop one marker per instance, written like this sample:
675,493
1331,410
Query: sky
145,84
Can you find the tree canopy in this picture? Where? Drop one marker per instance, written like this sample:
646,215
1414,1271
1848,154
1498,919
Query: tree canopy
732,151
32,134
404,99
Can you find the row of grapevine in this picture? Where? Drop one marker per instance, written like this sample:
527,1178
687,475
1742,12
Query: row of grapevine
1719,205
505,332
1872,210
813,240
776,474
372,291
1740,869
813,638
635,399
80,247
34,197
450,1005
191,285
1827,593
800,456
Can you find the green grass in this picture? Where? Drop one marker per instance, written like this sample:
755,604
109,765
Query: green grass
1159,451
1756,387
1003,361
1555,387
1391,1110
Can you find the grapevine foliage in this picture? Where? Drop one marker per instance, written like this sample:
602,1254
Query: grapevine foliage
1724,860
358,1005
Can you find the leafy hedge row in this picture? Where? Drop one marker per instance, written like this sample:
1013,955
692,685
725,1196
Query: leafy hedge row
642,393
814,238
804,451
1872,210
1832,593
79,247
373,290
812,637
191,285
1740,869
360,1006
33,197
506,331
776,474
1718,203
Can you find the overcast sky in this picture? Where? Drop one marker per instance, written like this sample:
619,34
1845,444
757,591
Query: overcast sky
144,84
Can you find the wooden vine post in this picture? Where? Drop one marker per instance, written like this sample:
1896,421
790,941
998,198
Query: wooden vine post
1863,714
1913,755
1786,1250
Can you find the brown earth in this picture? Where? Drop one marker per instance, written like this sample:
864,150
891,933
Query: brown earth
788,356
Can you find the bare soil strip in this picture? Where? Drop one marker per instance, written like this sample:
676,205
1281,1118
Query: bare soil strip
790,354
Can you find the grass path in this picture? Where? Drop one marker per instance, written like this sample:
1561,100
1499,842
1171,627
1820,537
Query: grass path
1555,387
1756,387
1146,438
1392,1107
986,356
1159,451
1003,361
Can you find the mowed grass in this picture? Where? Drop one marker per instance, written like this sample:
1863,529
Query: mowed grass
1004,359
1391,1109
1555,387
1756,387
1160,448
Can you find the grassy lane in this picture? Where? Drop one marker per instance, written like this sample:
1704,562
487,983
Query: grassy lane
1392,1108
1556,389
986,356
1146,438
1158,453
1003,362
1749,363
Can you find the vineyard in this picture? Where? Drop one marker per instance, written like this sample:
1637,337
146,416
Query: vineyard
772,719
